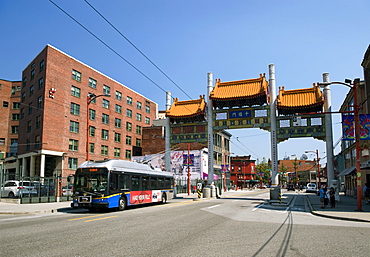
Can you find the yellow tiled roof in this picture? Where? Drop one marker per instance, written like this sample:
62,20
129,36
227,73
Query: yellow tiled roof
299,97
186,108
239,89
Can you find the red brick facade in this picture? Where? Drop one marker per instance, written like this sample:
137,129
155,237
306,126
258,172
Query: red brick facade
9,114
54,113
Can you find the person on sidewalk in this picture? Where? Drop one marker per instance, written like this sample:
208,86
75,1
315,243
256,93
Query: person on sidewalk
332,197
323,196
367,192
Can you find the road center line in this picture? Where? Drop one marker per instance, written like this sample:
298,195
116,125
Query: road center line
86,217
102,218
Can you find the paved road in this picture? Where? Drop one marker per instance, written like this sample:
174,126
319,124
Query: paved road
240,225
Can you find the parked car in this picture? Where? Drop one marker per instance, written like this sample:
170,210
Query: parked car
44,190
290,187
67,190
16,188
311,188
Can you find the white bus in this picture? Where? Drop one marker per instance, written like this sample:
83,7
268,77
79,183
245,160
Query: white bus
118,184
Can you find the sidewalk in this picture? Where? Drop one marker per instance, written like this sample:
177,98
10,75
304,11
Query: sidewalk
345,209
33,208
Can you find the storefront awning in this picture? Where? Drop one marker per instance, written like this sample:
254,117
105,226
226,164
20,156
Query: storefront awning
347,171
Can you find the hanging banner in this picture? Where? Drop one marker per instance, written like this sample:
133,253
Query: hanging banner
348,127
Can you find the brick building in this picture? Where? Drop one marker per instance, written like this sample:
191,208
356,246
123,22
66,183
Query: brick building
9,116
58,96
243,171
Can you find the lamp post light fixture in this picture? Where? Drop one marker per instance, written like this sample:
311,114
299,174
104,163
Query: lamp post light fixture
318,186
353,85
90,97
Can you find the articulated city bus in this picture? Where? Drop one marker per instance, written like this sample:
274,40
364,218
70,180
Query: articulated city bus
118,184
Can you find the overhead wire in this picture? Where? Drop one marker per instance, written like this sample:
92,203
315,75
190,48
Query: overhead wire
133,45
110,48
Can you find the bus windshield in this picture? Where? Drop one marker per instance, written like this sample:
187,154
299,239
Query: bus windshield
91,180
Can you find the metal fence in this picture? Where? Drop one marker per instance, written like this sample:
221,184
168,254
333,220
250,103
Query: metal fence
37,190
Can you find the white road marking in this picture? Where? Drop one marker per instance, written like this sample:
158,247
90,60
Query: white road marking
213,206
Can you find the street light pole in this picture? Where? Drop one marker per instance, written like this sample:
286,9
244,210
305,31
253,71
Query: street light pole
353,85
90,97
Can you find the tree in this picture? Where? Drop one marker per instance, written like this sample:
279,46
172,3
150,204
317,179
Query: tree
282,171
264,171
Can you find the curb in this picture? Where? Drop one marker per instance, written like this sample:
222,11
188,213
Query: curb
314,212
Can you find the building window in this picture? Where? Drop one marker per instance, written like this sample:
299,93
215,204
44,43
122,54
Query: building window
117,123
15,116
72,163
128,154
74,126
32,89
128,126
37,142
105,118
76,75
92,114
23,96
14,130
118,95
24,82
41,83
5,104
28,144
22,113
91,147
92,131
138,116
117,152
16,105
147,109
147,120
138,142
104,134
117,137
104,150
129,100
30,108
2,141
32,74
38,122
42,65
118,108
13,141
106,90
128,140
129,113
138,130
75,109
73,145
138,105
75,91
105,103
39,102
29,126
92,83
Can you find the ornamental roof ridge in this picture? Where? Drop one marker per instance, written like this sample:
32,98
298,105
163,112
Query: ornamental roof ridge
187,108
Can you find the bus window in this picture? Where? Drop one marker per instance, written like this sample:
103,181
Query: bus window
167,183
145,183
113,185
160,183
153,183
123,182
135,183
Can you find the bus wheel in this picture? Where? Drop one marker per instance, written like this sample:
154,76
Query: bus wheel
164,198
122,203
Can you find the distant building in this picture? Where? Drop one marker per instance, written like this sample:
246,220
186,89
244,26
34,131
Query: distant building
243,171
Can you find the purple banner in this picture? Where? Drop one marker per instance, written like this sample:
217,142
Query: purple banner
349,128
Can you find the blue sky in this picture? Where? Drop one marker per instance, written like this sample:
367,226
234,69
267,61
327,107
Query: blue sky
186,39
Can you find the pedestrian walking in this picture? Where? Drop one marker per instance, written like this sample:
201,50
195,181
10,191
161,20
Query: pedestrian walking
332,197
323,197
367,192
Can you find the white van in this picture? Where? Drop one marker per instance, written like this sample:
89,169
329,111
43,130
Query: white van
311,188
